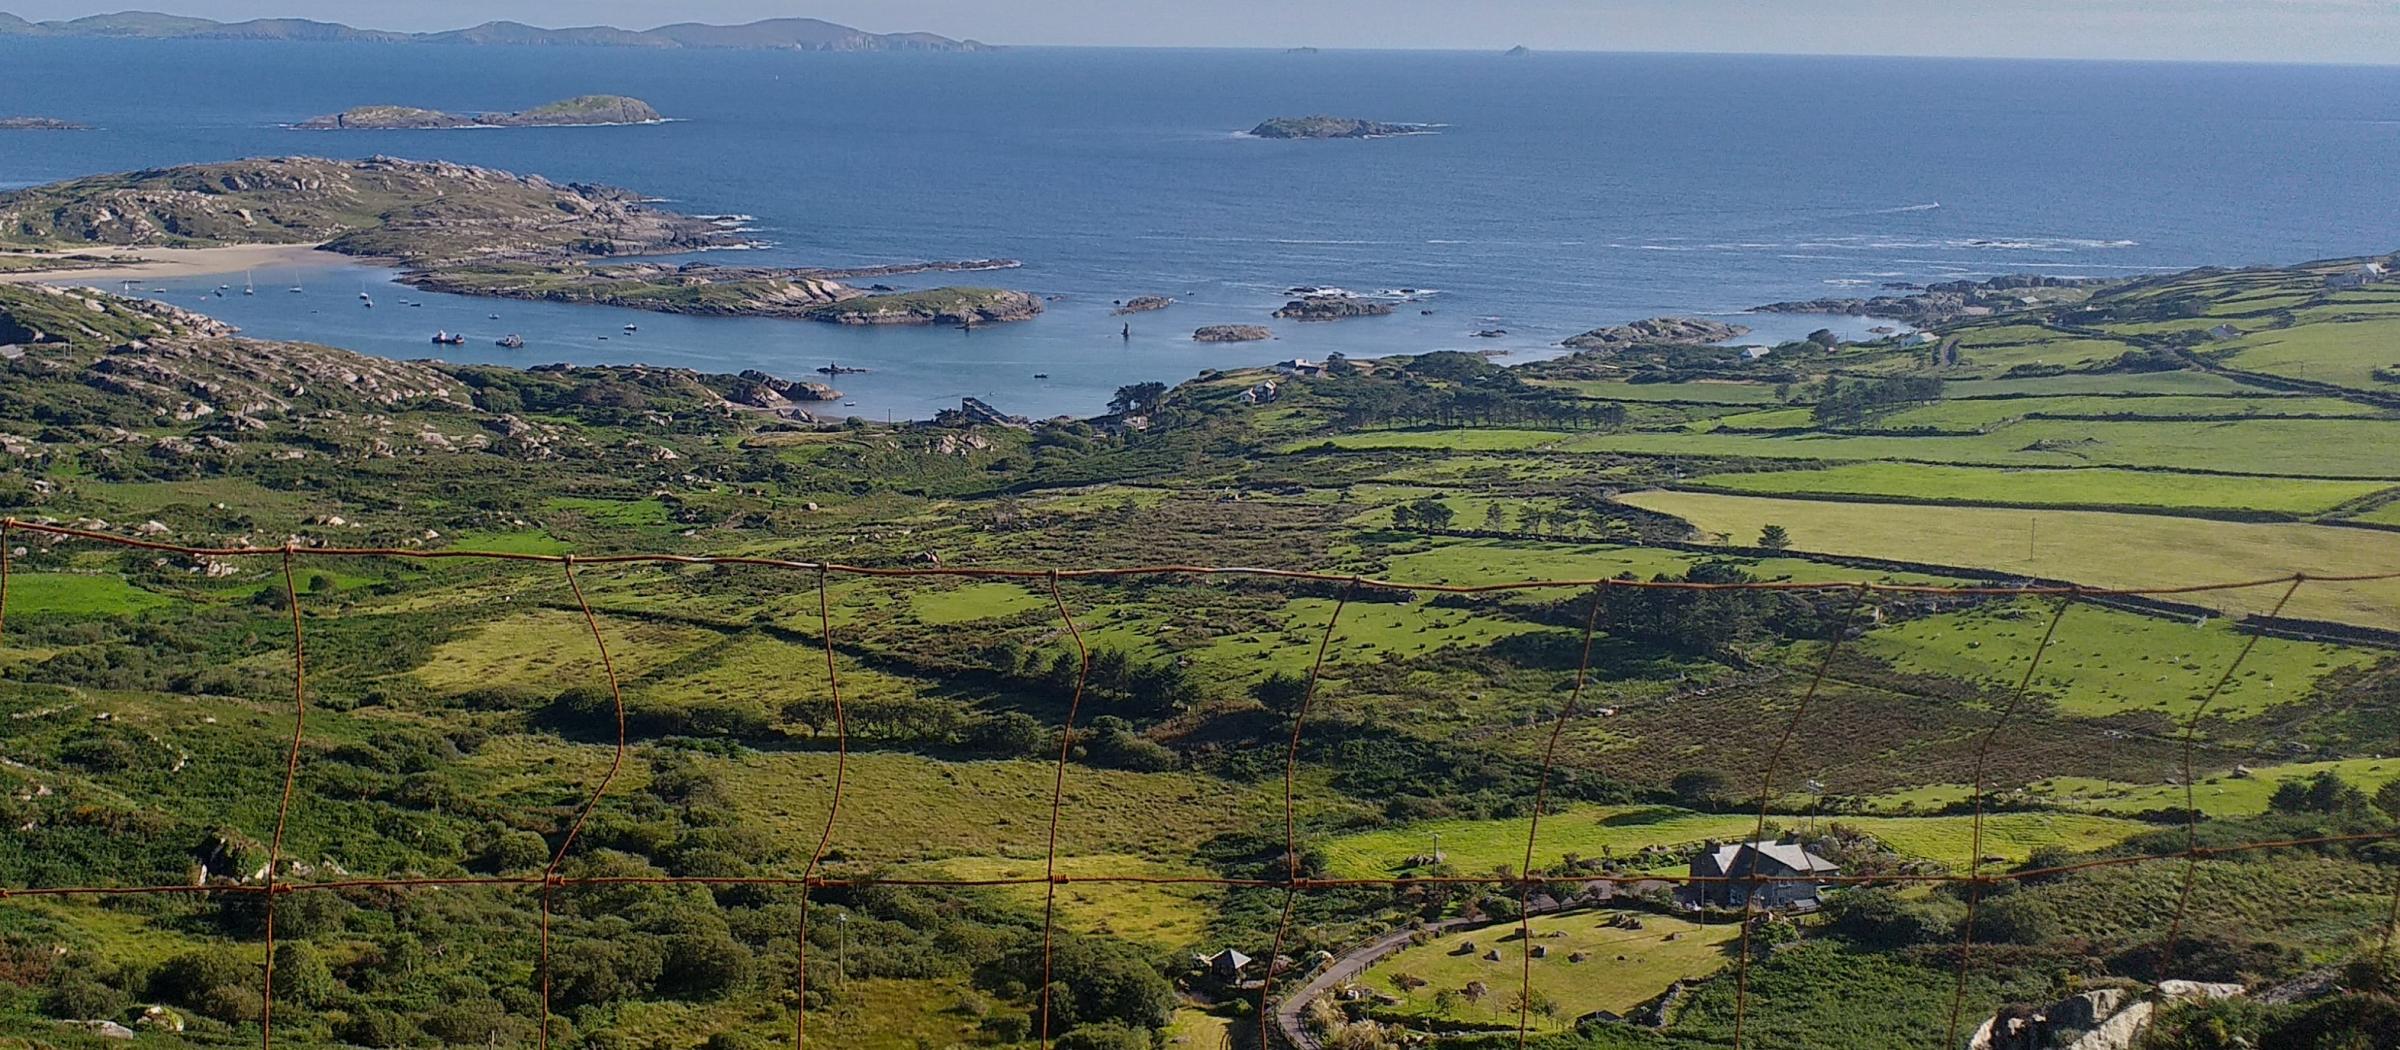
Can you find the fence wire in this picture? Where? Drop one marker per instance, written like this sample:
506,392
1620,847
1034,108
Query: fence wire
1271,1032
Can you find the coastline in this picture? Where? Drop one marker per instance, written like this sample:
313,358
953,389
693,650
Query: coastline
166,263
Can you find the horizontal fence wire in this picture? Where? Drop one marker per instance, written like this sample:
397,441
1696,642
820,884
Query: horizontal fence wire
1277,1026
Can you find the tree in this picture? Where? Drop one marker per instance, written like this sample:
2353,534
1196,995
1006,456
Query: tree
1281,692
1495,519
1774,538
1700,788
301,975
2387,799
1433,514
2325,793
1137,397
1404,515
1103,1037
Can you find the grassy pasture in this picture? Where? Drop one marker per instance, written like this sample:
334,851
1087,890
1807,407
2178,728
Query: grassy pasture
75,594
2221,794
1592,831
1711,393
2096,486
2339,448
1626,967
1469,439
2342,353
2090,547
1992,412
2105,662
1169,917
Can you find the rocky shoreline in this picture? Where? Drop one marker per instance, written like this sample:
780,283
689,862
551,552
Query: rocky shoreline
705,290
1142,304
1951,300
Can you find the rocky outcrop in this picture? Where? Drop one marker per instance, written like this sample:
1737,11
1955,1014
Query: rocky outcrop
2100,1019
585,110
1143,304
40,124
1332,308
423,213
1232,333
953,306
1678,331
1324,127
756,389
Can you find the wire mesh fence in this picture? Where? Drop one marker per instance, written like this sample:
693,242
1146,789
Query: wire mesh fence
1276,1010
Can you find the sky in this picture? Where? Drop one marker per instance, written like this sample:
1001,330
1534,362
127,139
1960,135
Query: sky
2360,31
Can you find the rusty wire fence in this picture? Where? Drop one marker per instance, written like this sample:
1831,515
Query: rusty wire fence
1770,780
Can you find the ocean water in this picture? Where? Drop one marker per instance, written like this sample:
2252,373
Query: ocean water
1562,191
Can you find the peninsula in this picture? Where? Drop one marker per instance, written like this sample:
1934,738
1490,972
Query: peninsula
1323,127
583,111
470,231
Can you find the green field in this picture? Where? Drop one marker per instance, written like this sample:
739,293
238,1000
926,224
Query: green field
2343,354
2089,547
1623,969
2104,662
1599,831
74,594
2223,794
2335,448
2096,486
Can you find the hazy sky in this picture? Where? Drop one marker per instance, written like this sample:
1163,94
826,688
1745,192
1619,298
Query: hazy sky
2263,30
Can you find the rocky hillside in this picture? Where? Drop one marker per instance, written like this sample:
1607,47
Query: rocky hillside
420,212
574,112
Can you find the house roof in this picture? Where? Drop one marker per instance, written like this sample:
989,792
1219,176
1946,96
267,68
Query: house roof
1789,854
1228,958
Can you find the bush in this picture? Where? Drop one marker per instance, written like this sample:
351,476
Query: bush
1103,1037
79,997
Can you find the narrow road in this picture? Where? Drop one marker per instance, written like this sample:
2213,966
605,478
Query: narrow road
1296,1035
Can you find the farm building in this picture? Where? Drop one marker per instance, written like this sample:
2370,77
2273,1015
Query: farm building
1790,866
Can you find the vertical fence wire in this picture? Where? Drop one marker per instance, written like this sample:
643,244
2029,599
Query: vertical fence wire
1533,827
616,763
841,774
1983,754
2191,793
1058,796
1291,824
283,808
1766,800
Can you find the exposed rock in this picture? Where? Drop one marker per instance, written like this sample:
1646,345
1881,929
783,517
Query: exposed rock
40,124
1324,127
1143,304
1332,308
1232,333
1694,331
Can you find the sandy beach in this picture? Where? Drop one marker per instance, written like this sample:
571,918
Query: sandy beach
124,264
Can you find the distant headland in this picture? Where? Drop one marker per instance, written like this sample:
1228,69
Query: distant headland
575,112
1324,127
40,124
774,34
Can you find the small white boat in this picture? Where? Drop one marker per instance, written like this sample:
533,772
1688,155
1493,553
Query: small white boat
249,287
630,329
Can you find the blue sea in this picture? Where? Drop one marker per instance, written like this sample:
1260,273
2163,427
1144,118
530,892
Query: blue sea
1559,192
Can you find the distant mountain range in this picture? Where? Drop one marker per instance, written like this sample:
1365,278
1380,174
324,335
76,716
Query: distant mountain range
794,34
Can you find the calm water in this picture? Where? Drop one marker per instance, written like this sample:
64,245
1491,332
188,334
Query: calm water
1566,191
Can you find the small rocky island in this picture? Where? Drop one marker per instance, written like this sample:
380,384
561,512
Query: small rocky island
1687,331
1232,333
40,124
1143,304
574,112
1323,127
1331,308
